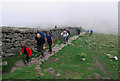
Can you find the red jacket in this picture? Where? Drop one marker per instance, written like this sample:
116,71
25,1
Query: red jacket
28,51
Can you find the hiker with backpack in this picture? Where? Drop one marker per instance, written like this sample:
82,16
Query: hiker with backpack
40,43
78,31
65,36
49,40
27,51
68,33
91,32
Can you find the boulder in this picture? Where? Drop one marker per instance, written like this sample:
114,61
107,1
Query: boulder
19,63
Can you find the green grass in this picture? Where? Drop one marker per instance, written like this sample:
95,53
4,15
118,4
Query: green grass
22,73
78,69
70,64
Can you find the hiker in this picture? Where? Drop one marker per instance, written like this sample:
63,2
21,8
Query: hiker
40,43
65,36
49,40
68,33
55,27
91,32
78,31
27,51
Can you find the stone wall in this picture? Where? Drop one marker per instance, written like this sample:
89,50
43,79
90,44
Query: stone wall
12,38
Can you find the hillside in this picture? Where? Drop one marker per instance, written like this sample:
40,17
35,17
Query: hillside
87,57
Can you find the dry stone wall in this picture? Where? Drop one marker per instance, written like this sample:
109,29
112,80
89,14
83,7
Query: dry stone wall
11,38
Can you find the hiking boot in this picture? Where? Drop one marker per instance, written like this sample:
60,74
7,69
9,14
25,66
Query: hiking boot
43,56
27,64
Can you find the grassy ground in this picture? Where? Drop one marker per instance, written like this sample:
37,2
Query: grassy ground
70,65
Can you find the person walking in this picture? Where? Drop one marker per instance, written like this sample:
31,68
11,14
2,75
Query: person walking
49,40
27,51
65,36
68,33
40,43
91,32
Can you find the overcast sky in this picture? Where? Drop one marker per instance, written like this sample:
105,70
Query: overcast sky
102,16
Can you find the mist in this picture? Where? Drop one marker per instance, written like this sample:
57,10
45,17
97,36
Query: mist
101,16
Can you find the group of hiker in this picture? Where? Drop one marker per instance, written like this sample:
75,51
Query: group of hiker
40,41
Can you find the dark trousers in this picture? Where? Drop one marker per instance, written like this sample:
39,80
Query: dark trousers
50,46
90,33
65,39
78,32
40,49
27,58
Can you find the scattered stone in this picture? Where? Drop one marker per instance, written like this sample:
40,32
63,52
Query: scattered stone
97,75
79,45
19,63
109,55
83,59
106,78
58,74
40,73
51,70
13,69
115,58
89,68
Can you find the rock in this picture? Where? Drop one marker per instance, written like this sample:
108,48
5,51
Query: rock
97,75
9,45
17,31
58,74
106,78
19,63
13,69
12,50
51,70
11,30
4,63
19,38
15,34
83,59
10,36
3,48
115,58
109,55
37,68
6,40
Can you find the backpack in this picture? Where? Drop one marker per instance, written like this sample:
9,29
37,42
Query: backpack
42,35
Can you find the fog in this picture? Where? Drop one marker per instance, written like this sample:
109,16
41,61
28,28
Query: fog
101,16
